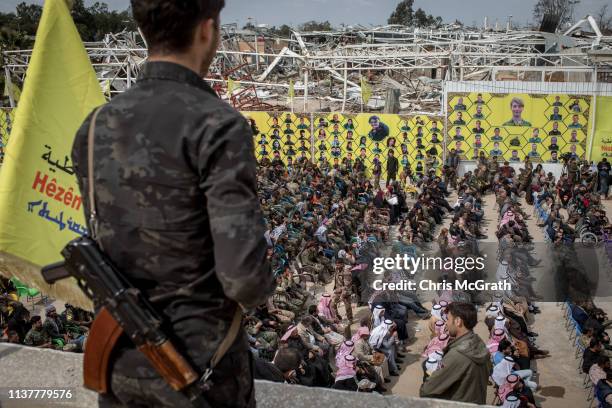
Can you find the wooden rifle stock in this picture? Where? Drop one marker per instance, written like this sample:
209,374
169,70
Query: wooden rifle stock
102,339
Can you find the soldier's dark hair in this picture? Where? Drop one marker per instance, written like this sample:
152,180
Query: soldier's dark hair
465,311
35,319
168,25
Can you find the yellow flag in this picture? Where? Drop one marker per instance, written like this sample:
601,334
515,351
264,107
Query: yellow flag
291,90
366,91
40,203
231,85
107,88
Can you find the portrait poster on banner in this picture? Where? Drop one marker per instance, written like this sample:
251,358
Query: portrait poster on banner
513,126
341,139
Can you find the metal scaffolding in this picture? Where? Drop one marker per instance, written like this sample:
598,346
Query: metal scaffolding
326,67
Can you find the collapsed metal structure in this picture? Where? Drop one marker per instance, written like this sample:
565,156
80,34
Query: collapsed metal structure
325,68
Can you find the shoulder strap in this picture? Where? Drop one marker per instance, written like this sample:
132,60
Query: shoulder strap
93,217
229,339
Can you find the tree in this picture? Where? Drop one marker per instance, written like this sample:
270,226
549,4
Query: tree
316,26
604,20
249,26
422,19
282,31
28,16
561,9
403,13
17,30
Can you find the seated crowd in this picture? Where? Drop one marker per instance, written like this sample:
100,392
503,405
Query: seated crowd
326,326
66,331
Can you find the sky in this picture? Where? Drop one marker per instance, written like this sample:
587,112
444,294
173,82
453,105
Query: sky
376,12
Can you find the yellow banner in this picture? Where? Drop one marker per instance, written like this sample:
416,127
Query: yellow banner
602,138
231,86
416,141
512,126
291,92
366,91
40,203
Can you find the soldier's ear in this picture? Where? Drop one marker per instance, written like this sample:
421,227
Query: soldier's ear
207,32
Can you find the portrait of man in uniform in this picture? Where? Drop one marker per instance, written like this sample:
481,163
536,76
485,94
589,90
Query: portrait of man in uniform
517,106
379,131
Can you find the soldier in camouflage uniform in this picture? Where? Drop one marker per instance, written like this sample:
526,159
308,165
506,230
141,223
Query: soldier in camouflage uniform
492,168
343,289
176,195
37,336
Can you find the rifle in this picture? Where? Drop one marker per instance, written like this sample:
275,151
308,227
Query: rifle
124,310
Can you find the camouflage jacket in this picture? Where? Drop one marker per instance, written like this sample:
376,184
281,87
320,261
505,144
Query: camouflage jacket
37,337
176,196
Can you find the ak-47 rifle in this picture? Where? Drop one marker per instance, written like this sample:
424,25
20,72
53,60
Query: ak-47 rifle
124,310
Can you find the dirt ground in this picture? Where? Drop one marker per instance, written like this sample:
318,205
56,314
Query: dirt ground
558,375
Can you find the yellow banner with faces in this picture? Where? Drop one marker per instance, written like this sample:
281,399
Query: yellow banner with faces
513,126
416,141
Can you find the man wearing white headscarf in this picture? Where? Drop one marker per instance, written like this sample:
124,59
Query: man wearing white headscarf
506,367
430,366
512,401
436,316
502,370
378,316
383,339
491,313
436,312
500,323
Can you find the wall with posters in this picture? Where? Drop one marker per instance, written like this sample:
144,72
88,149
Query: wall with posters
514,125
602,139
417,141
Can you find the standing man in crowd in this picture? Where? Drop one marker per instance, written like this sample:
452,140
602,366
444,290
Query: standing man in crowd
343,289
603,172
466,365
376,171
392,167
179,215
452,162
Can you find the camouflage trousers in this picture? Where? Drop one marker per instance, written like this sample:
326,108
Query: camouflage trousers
232,387
268,339
346,299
